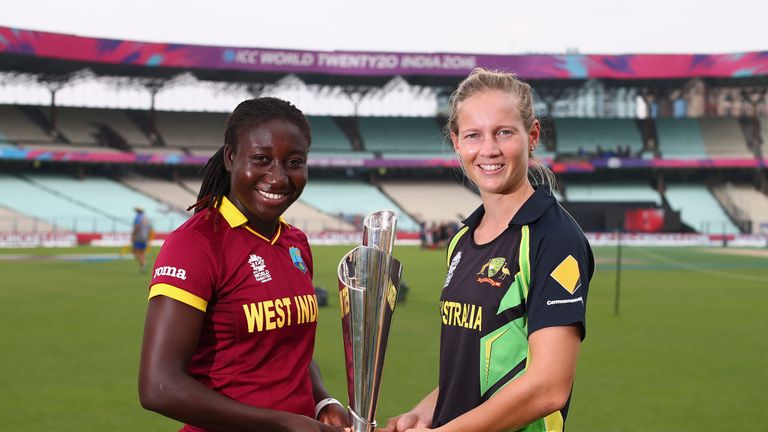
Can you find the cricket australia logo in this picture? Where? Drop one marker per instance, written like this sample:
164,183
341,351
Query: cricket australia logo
493,272
259,267
451,268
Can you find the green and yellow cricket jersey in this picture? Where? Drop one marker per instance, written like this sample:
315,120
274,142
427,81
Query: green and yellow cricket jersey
533,275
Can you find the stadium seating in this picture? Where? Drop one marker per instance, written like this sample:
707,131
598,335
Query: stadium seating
723,138
16,127
11,221
402,134
191,129
699,209
680,138
350,199
579,135
80,125
750,202
168,192
764,135
310,220
111,199
433,201
60,211
326,136
61,147
605,192
159,150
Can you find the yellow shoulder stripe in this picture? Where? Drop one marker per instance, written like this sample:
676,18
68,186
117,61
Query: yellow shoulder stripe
179,294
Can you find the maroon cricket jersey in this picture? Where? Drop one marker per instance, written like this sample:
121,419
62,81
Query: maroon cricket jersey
259,303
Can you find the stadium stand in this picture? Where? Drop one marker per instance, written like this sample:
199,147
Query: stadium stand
207,153
111,198
699,209
58,210
159,150
723,137
596,135
311,220
192,185
433,201
81,125
351,200
680,138
171,193
11,221
16,127
60,147
191,129
604,192
402,135
747,201
326,136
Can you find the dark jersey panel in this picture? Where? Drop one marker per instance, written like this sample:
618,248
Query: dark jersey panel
494,296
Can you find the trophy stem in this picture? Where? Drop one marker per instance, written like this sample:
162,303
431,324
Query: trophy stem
359,424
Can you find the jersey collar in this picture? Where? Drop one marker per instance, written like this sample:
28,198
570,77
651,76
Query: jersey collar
235,218
531,210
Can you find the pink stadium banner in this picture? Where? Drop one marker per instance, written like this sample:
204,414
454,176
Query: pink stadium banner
533,66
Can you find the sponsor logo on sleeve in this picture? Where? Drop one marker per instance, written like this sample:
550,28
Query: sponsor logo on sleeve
565,301
178,273
567,274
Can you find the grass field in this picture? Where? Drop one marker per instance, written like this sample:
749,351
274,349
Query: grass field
688,351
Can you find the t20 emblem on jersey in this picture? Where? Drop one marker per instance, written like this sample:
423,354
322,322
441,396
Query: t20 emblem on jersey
259,268
493,271
298,261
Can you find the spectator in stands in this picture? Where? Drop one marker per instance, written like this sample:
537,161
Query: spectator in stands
140,237
517,278
232,314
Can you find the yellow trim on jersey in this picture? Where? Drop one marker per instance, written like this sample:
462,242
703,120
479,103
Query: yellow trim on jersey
232,214
274,239
235,218
179,294
554,422
452,245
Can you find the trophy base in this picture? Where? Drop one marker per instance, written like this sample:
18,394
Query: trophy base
359,424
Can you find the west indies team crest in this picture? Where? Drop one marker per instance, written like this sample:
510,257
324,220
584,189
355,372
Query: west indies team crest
494,271
298,261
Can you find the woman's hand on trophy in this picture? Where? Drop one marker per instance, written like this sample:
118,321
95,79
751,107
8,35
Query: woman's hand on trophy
334,415
294,422
407,421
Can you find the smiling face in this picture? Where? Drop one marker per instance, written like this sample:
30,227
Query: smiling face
268,171
493,143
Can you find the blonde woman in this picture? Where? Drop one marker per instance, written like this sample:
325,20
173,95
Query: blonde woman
514,299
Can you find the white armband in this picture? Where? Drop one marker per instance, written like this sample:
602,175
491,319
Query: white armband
323,403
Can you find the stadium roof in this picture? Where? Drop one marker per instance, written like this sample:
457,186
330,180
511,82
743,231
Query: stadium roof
54,53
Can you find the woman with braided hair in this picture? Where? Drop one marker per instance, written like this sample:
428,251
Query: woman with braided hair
232,314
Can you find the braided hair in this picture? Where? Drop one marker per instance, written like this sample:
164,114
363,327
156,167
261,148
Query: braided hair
248,114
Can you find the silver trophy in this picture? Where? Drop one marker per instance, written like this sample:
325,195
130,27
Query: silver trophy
369,278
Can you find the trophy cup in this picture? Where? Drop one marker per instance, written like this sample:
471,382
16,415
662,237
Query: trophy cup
368,281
